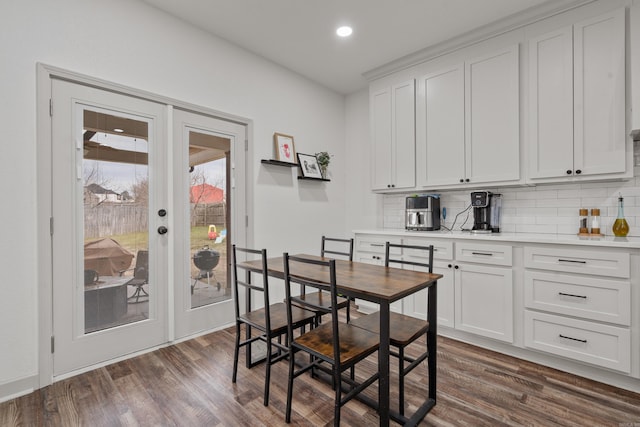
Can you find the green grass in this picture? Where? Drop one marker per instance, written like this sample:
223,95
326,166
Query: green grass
199,238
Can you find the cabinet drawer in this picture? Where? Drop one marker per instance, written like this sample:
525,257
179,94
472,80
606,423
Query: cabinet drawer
485,254
586,297
597,262
602,345
375,244
442,249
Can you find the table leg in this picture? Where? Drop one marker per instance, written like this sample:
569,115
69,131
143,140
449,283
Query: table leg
383,366
432,338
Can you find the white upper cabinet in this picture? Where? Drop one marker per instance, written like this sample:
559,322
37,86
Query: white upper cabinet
551,104
468,127
440,128
393,137
577,101
492,107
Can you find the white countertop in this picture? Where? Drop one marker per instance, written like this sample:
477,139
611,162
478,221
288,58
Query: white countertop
564,239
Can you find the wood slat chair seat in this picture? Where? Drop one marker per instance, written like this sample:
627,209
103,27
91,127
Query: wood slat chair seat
323,299
355,343
278,316
403,329
331,246
270,322
334,343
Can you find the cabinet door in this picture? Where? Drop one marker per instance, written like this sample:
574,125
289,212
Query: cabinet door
416,304
484,301
492,149
381,139
370,249
403,124
440,127
599,80
551,105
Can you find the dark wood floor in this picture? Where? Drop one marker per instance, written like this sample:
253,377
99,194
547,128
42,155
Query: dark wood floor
189,384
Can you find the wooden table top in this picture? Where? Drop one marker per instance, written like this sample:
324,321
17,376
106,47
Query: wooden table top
374,283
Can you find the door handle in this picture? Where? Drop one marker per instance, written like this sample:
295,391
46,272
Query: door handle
162,229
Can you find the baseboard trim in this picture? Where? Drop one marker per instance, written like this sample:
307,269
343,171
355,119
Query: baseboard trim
21,387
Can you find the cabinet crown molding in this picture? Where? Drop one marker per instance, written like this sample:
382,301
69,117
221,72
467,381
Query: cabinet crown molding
512,22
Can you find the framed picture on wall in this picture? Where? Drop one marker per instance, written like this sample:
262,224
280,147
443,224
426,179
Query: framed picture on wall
309,166
285,150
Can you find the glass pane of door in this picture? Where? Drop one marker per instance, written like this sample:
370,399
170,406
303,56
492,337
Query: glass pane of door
208,166
209,212
115,214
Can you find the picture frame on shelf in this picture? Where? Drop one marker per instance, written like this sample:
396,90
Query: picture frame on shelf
284,148
309,166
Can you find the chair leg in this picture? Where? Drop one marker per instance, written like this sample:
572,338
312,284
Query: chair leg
139,292
236,353
267,374
338,388
401,380
292,363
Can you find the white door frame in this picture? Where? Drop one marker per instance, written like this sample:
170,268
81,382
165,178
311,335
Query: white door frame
45,73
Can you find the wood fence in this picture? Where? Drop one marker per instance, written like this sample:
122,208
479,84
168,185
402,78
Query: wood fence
109,219
204,215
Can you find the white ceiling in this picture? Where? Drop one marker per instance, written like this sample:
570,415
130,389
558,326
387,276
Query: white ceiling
300,34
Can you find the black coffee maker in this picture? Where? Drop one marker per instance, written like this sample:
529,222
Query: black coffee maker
487,208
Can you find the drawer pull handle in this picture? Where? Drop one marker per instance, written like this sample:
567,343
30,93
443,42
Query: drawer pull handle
572,339
481,253
572,295
377,245
572,260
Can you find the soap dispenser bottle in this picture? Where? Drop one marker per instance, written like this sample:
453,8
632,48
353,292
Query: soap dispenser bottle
620,226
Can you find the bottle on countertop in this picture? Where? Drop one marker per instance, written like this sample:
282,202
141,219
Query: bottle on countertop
595,221
583,221
620,226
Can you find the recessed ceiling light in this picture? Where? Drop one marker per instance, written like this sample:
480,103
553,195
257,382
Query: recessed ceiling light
118,130
344,31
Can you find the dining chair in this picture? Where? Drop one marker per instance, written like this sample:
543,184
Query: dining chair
271,320
333,343
140,278
343,248
403,329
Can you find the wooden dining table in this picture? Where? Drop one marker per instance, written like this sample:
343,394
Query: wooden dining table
381,285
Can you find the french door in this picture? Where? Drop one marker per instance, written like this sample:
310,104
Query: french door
109,243
142,223
209,193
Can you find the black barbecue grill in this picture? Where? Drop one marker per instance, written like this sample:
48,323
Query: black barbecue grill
206,260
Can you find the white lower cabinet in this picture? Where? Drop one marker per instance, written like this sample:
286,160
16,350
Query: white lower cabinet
568,306
590,298
416,304
603,345
484,301
578,304
484,289
370,249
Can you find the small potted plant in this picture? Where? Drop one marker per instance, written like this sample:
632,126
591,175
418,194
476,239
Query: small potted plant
324,158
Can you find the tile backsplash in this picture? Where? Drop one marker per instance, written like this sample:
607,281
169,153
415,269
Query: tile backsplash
545,209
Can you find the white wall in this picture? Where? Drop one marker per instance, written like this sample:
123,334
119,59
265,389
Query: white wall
363,206
129,43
